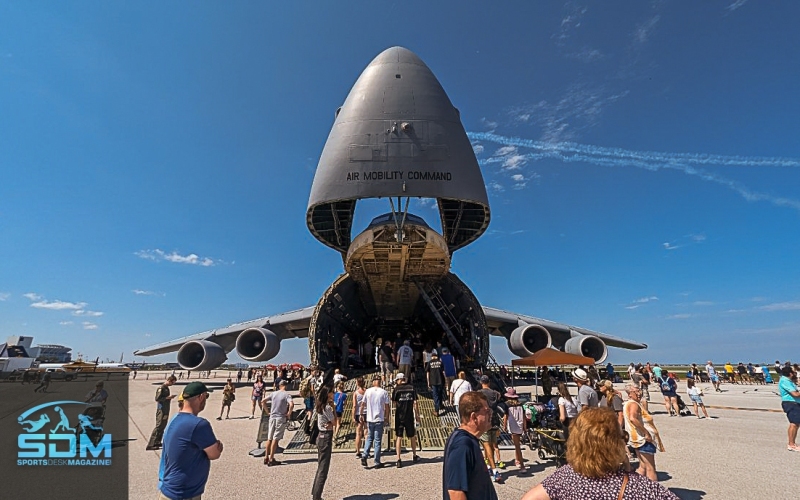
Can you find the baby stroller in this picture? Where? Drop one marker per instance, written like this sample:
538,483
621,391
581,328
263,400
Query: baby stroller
90,422
683,409
545,433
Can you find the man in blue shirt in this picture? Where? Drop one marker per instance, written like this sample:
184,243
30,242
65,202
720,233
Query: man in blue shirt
449,365
464,475
189,447
790,402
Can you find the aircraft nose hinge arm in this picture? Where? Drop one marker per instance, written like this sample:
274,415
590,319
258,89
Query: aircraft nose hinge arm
399,218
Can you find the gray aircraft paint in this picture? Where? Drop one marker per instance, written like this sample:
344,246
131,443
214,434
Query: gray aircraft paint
398,134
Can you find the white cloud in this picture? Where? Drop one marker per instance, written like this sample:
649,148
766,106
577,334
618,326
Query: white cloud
679,316
505,151
147,335
698,237
87,325
670,246
702,303
496,187
514,162
518,177
735,5
477,148
644,30
635,304
491,125
148,292
83,312
4,296
158,255
32,296
586,54
58,305
781,306
65,323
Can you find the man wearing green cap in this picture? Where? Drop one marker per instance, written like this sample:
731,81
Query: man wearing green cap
189,447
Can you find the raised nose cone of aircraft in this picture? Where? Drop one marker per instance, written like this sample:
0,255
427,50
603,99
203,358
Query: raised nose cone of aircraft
397,134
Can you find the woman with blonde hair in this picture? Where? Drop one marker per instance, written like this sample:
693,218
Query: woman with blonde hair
594,470
642,433
611,399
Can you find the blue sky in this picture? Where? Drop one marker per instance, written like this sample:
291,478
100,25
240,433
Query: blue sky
641,161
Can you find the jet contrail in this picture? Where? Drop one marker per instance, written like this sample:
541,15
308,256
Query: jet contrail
627,154
648,160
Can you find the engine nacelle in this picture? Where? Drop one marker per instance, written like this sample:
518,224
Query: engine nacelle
201,355
257,344
587,345
527,339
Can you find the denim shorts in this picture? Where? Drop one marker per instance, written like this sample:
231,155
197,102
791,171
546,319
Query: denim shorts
647,447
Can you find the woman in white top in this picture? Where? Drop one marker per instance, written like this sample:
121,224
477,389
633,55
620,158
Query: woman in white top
514,424
567,410
694,394
457,388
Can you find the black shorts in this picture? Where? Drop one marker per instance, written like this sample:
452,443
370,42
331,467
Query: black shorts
357,418
339,414
792,411
406,429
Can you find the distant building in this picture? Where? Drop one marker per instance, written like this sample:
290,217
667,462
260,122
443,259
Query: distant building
54,353
21,346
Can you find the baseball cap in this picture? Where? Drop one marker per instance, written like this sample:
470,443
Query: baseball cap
484,379
193,389
282,381
445,350
400,376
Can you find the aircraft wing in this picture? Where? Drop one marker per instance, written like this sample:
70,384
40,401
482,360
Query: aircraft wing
292,324
527,334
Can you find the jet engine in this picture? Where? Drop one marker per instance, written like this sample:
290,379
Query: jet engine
201,355
587,345
527,339
257,344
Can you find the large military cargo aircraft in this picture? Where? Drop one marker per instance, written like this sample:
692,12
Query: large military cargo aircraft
396,137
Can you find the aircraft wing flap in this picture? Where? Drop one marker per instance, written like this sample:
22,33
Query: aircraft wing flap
291,324
502,323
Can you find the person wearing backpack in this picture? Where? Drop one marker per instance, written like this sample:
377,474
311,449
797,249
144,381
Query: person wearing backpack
669,389
308,387
489,438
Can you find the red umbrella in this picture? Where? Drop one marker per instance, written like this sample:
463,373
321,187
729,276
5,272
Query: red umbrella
297,366
270,367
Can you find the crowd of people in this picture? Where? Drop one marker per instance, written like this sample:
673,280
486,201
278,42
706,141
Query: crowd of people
605,429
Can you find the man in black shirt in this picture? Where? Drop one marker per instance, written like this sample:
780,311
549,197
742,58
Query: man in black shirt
406,416
464,475
435,372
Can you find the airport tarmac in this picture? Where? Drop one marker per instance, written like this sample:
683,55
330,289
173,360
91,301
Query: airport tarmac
739,453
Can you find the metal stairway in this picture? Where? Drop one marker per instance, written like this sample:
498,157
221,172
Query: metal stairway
443,315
